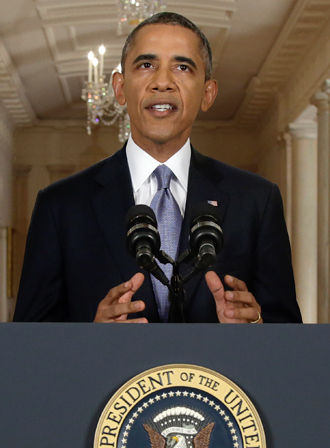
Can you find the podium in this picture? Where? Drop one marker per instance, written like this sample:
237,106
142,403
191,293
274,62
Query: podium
55,379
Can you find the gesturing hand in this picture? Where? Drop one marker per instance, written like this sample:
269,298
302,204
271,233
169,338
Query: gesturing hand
117,304
236,306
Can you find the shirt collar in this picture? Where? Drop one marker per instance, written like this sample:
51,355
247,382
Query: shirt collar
142,165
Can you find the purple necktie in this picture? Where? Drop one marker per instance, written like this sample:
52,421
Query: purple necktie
169,221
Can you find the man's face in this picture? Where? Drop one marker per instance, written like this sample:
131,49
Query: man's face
164,85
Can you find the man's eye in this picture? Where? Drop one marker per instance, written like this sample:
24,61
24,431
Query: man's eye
146,65
184,67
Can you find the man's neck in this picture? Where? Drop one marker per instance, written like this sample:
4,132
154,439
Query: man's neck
160,151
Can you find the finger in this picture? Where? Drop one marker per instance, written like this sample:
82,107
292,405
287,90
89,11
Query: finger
230,305
117,292
117,303
123,309
135,283
244,298
235,283
140,320
117,311
137,280
243,314
135,307
215,286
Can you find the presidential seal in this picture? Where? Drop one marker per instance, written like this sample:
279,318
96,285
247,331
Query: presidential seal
180,406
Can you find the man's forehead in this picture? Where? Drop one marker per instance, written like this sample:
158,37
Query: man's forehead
149,35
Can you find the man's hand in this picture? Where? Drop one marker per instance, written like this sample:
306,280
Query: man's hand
117,303
237,306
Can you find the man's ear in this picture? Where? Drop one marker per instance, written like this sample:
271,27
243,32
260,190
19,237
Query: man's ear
118,87
210,93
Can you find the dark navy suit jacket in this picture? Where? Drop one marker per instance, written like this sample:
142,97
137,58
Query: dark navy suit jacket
76,247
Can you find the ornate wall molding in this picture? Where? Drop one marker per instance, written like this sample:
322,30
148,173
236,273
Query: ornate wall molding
286,65
307,79
12,91
6,131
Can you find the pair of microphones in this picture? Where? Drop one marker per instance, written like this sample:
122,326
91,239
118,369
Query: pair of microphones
143,242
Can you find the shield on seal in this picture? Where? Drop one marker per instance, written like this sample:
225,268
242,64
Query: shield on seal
179,427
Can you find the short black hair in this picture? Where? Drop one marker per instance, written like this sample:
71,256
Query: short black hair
174,19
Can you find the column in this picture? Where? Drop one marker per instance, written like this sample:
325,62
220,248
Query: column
285,146
321,101
21,220
304,215
3,275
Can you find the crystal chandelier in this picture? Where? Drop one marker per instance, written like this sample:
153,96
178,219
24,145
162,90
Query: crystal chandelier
102,106
133,12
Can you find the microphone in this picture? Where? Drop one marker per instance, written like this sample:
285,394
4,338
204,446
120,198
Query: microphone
206,238
143,240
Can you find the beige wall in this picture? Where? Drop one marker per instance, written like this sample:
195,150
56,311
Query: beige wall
237,148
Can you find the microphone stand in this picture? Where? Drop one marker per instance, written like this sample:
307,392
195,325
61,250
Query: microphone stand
177,294
177,297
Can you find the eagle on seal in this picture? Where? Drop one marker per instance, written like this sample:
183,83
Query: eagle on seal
201,440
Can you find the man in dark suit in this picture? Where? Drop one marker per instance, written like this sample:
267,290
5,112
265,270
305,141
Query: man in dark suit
76,255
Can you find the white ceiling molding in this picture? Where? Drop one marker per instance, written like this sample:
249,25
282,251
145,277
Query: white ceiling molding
307,79
65,17
216,14
12,91
61,20
301,28
48,40
71,12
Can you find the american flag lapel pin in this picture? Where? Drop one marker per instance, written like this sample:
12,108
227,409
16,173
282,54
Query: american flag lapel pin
214,203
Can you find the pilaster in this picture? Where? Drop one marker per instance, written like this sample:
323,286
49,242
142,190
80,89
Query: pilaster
321,101
21,220
304,215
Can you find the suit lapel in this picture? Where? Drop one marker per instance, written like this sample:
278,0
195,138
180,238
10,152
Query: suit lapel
111,204
204,185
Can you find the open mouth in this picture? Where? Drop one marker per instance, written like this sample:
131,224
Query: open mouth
162,107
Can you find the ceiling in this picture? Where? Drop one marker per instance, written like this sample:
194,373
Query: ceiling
44,46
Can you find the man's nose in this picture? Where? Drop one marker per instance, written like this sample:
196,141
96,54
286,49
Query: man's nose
163,80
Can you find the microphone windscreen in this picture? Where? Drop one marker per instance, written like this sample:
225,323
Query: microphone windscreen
204,209
140,210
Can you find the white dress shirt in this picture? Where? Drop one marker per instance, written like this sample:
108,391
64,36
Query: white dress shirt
142,165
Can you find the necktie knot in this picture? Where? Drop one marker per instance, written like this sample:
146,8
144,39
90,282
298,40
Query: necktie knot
163,175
